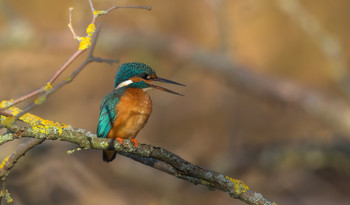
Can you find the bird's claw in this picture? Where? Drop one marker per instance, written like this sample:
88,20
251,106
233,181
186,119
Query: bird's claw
135,142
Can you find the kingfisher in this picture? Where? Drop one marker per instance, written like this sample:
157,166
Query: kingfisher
125,110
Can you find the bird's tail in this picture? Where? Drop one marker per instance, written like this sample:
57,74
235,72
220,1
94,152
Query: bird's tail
108,155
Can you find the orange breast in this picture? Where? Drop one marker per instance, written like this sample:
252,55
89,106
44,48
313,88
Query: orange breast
133,111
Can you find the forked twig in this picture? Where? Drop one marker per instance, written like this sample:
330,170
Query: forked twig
85,43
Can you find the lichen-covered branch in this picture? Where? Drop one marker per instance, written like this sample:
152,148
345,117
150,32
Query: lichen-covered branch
6,138
153,156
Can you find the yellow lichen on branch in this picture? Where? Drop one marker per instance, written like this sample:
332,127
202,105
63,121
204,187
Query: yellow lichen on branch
4,161
40,100
48,86
99,12
6,103
6,195
38,124
8,121
238,185
90,30
85,42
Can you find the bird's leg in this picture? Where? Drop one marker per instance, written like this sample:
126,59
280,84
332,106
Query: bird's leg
135,142
120,140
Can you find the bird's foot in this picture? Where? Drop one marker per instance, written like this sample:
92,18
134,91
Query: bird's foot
120,140
135,142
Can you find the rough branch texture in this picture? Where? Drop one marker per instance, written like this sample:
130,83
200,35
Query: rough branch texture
153,156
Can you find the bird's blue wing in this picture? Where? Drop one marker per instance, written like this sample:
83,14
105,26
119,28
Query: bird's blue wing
107,114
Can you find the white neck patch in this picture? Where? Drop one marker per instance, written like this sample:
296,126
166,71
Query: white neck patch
124,83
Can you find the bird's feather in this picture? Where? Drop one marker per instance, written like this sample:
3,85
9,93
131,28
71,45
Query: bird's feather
107,113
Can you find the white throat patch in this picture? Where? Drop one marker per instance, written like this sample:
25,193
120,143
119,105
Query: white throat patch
125,83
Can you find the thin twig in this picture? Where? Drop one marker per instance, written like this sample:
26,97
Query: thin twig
53,78
70,25
25,97
10,162
128,7
43,90
65,65
92,7
88,60
105,60
29,107
92,49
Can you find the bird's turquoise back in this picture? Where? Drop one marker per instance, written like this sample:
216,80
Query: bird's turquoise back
107,112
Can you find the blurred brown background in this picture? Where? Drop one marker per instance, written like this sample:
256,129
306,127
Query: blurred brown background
290,154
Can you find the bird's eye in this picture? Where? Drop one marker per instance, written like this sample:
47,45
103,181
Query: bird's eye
144,76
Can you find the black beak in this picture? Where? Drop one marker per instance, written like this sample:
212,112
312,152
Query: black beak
165,81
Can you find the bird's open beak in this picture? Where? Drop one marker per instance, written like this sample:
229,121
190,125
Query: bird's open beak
164,89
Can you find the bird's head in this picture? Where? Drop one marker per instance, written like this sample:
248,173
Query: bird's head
140,75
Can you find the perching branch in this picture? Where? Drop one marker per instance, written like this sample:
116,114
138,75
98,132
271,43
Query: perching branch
156,157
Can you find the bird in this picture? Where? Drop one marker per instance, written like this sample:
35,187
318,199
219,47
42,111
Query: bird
125,110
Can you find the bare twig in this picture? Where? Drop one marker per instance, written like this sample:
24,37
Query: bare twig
52,79
69,79
84,45
25,97
70,25
11,160
92,7
155,157
65,65
129,7
90,58
105,60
